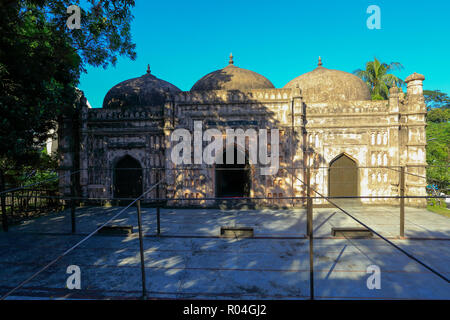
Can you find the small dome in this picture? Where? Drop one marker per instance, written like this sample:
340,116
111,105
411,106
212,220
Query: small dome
323,85
232,78
146,90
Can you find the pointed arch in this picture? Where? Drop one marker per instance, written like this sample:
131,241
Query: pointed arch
346,155
343,176
233,180
127,177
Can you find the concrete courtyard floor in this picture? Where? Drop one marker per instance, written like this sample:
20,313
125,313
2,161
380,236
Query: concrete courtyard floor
191,261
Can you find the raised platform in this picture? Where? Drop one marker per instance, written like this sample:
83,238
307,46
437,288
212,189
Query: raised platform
236,232
353,233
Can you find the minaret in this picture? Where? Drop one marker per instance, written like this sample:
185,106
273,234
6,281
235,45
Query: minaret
414,137
415,84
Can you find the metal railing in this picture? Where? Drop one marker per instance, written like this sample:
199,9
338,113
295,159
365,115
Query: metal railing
88,237
158,201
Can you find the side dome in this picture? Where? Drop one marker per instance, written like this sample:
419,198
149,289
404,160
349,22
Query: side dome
324,85
232,78
146,90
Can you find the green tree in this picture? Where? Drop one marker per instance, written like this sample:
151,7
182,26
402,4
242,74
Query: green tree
376,75
438,136
439,115
41,60
436,99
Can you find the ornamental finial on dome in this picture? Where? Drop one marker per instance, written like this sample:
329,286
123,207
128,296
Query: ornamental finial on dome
148,69
320,62
231,59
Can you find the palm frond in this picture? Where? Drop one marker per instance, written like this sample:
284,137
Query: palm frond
376,96
376,75
395,66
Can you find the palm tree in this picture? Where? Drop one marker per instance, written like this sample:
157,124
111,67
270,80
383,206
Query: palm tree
378,79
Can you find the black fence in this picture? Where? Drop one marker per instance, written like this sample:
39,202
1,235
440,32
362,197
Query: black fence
29,203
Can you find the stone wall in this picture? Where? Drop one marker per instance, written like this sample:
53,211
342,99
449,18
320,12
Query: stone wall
380,136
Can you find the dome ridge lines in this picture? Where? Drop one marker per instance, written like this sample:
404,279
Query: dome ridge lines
326,85
232,78
146,90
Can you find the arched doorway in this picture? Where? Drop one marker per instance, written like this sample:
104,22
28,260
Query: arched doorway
127,178
343,177
232,180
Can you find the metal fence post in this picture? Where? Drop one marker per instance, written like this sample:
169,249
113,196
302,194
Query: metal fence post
158,221
309,230
158,213
4,212
141,249
402,202
72,216
35,200
72,203
11,211
308,202
157,186
3,200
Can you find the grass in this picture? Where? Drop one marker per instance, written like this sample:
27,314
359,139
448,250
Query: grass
442,209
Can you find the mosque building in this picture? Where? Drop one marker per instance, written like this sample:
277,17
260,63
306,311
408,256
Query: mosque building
327,122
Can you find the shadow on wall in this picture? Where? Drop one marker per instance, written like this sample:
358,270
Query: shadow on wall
220,109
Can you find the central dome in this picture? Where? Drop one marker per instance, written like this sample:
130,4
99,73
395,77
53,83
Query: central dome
232,78
324,85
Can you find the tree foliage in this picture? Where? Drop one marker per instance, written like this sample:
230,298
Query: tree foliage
41,60
436,99
438,136
376,75
104,33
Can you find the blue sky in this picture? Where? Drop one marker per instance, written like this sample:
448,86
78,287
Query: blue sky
184,40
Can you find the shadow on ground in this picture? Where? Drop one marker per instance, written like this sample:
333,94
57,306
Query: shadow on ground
191,261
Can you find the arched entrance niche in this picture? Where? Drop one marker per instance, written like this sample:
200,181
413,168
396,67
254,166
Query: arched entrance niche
127,178
232,180
343,177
